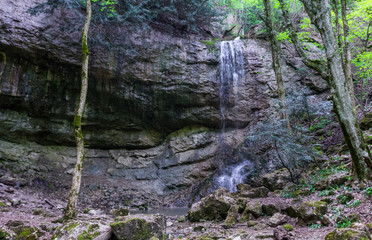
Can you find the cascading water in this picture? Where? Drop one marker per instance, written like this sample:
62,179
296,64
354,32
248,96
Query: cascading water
231,76
235,174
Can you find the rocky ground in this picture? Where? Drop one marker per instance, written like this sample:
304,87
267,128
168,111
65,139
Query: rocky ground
325,204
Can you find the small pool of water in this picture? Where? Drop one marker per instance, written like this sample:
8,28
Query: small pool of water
163,211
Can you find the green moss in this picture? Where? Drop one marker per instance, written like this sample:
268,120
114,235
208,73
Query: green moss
85,49
2,204
93,227
345,235
70,227
77,121
114,224
142,232
88,236
288,227
120,212
26,233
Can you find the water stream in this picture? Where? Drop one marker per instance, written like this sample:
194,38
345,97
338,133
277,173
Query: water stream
231,76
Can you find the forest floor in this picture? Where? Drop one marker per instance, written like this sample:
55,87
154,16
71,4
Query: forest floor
27,212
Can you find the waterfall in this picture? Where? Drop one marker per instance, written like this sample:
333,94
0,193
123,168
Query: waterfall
235,174
231,76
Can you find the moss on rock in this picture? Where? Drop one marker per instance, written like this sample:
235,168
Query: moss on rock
288,227
347,234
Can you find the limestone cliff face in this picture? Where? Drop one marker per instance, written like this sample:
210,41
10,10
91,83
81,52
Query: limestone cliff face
152,107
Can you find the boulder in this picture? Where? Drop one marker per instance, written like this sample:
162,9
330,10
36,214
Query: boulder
241,187
23,231
139,227
278,219
282,234
232,215
253,209
309,212
332,180
258,192
212,207
348,234
83,230
270,209
276,180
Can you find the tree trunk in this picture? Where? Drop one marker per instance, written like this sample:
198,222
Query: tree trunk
275,52
70,211
347,53
338,25
320,15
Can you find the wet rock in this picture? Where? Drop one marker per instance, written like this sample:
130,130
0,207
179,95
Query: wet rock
213,207
276,180
278,219
139,227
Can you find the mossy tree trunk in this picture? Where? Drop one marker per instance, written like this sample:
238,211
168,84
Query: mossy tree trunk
275,53
347,52
70,211
332,71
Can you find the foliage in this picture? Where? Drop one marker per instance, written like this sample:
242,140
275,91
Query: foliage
181,15
315,226
354,204
343,223
345,197
368,191
325,193
291,151
248,12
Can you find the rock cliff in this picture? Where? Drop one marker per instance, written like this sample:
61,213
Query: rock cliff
152,120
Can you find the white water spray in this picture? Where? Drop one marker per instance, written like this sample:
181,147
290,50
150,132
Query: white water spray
231,76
